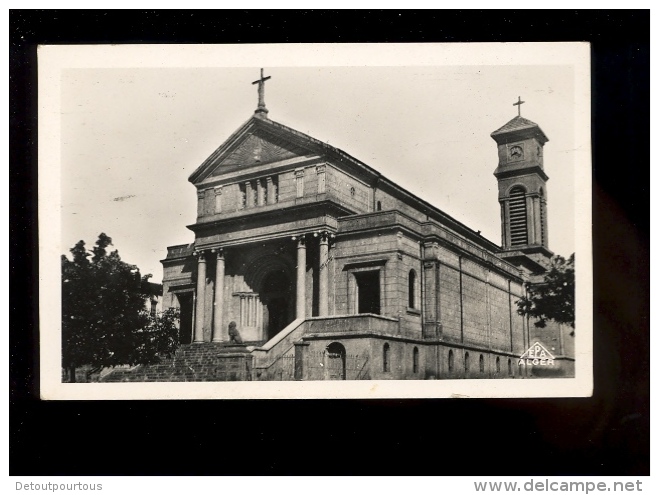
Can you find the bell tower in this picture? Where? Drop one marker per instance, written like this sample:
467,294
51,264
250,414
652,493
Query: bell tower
523,193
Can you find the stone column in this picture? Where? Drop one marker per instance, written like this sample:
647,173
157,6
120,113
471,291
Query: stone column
260,193
269,191
530,220
249,195
218,302
200,298
301,298
323,276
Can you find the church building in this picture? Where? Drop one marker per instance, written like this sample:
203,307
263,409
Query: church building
308,264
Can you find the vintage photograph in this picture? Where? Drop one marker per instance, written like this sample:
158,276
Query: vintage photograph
407,220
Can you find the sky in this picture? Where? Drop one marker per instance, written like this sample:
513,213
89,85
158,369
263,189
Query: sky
132,133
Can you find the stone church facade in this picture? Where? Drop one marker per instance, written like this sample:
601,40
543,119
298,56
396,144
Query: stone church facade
331,271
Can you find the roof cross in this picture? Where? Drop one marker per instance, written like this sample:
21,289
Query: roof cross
261,82
518,105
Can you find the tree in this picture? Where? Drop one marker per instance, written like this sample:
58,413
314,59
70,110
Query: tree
104,319
553,298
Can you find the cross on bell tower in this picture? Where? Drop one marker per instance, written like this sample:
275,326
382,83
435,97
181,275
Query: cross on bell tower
518,104
261,111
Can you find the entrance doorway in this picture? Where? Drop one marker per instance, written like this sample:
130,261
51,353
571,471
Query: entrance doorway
277,315
277,298
336,361
185,322
368,292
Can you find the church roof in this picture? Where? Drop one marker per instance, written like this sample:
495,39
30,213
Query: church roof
298,141
520,126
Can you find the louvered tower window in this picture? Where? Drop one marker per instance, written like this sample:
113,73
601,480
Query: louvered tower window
517,209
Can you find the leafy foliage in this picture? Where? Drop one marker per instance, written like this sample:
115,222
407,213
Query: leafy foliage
160,337
553,298
104,321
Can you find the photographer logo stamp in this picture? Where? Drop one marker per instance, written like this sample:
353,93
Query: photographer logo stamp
537,355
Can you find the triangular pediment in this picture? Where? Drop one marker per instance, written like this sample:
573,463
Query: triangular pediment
259,148
258,142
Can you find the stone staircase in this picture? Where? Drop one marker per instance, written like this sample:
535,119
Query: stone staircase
202,362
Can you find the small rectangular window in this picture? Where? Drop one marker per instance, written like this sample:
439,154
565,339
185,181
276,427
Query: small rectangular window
411,289
368,292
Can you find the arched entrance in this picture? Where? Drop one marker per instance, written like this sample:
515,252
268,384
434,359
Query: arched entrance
276,295
336,361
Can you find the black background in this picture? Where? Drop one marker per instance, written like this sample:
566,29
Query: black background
607,434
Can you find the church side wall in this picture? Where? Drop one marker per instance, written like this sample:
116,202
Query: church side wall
465,364
394,255
409,260
387,201
367,253
449,294
390,202
499,312
399,360
348,191
477,305
365,359
474,304
519,323
410,211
